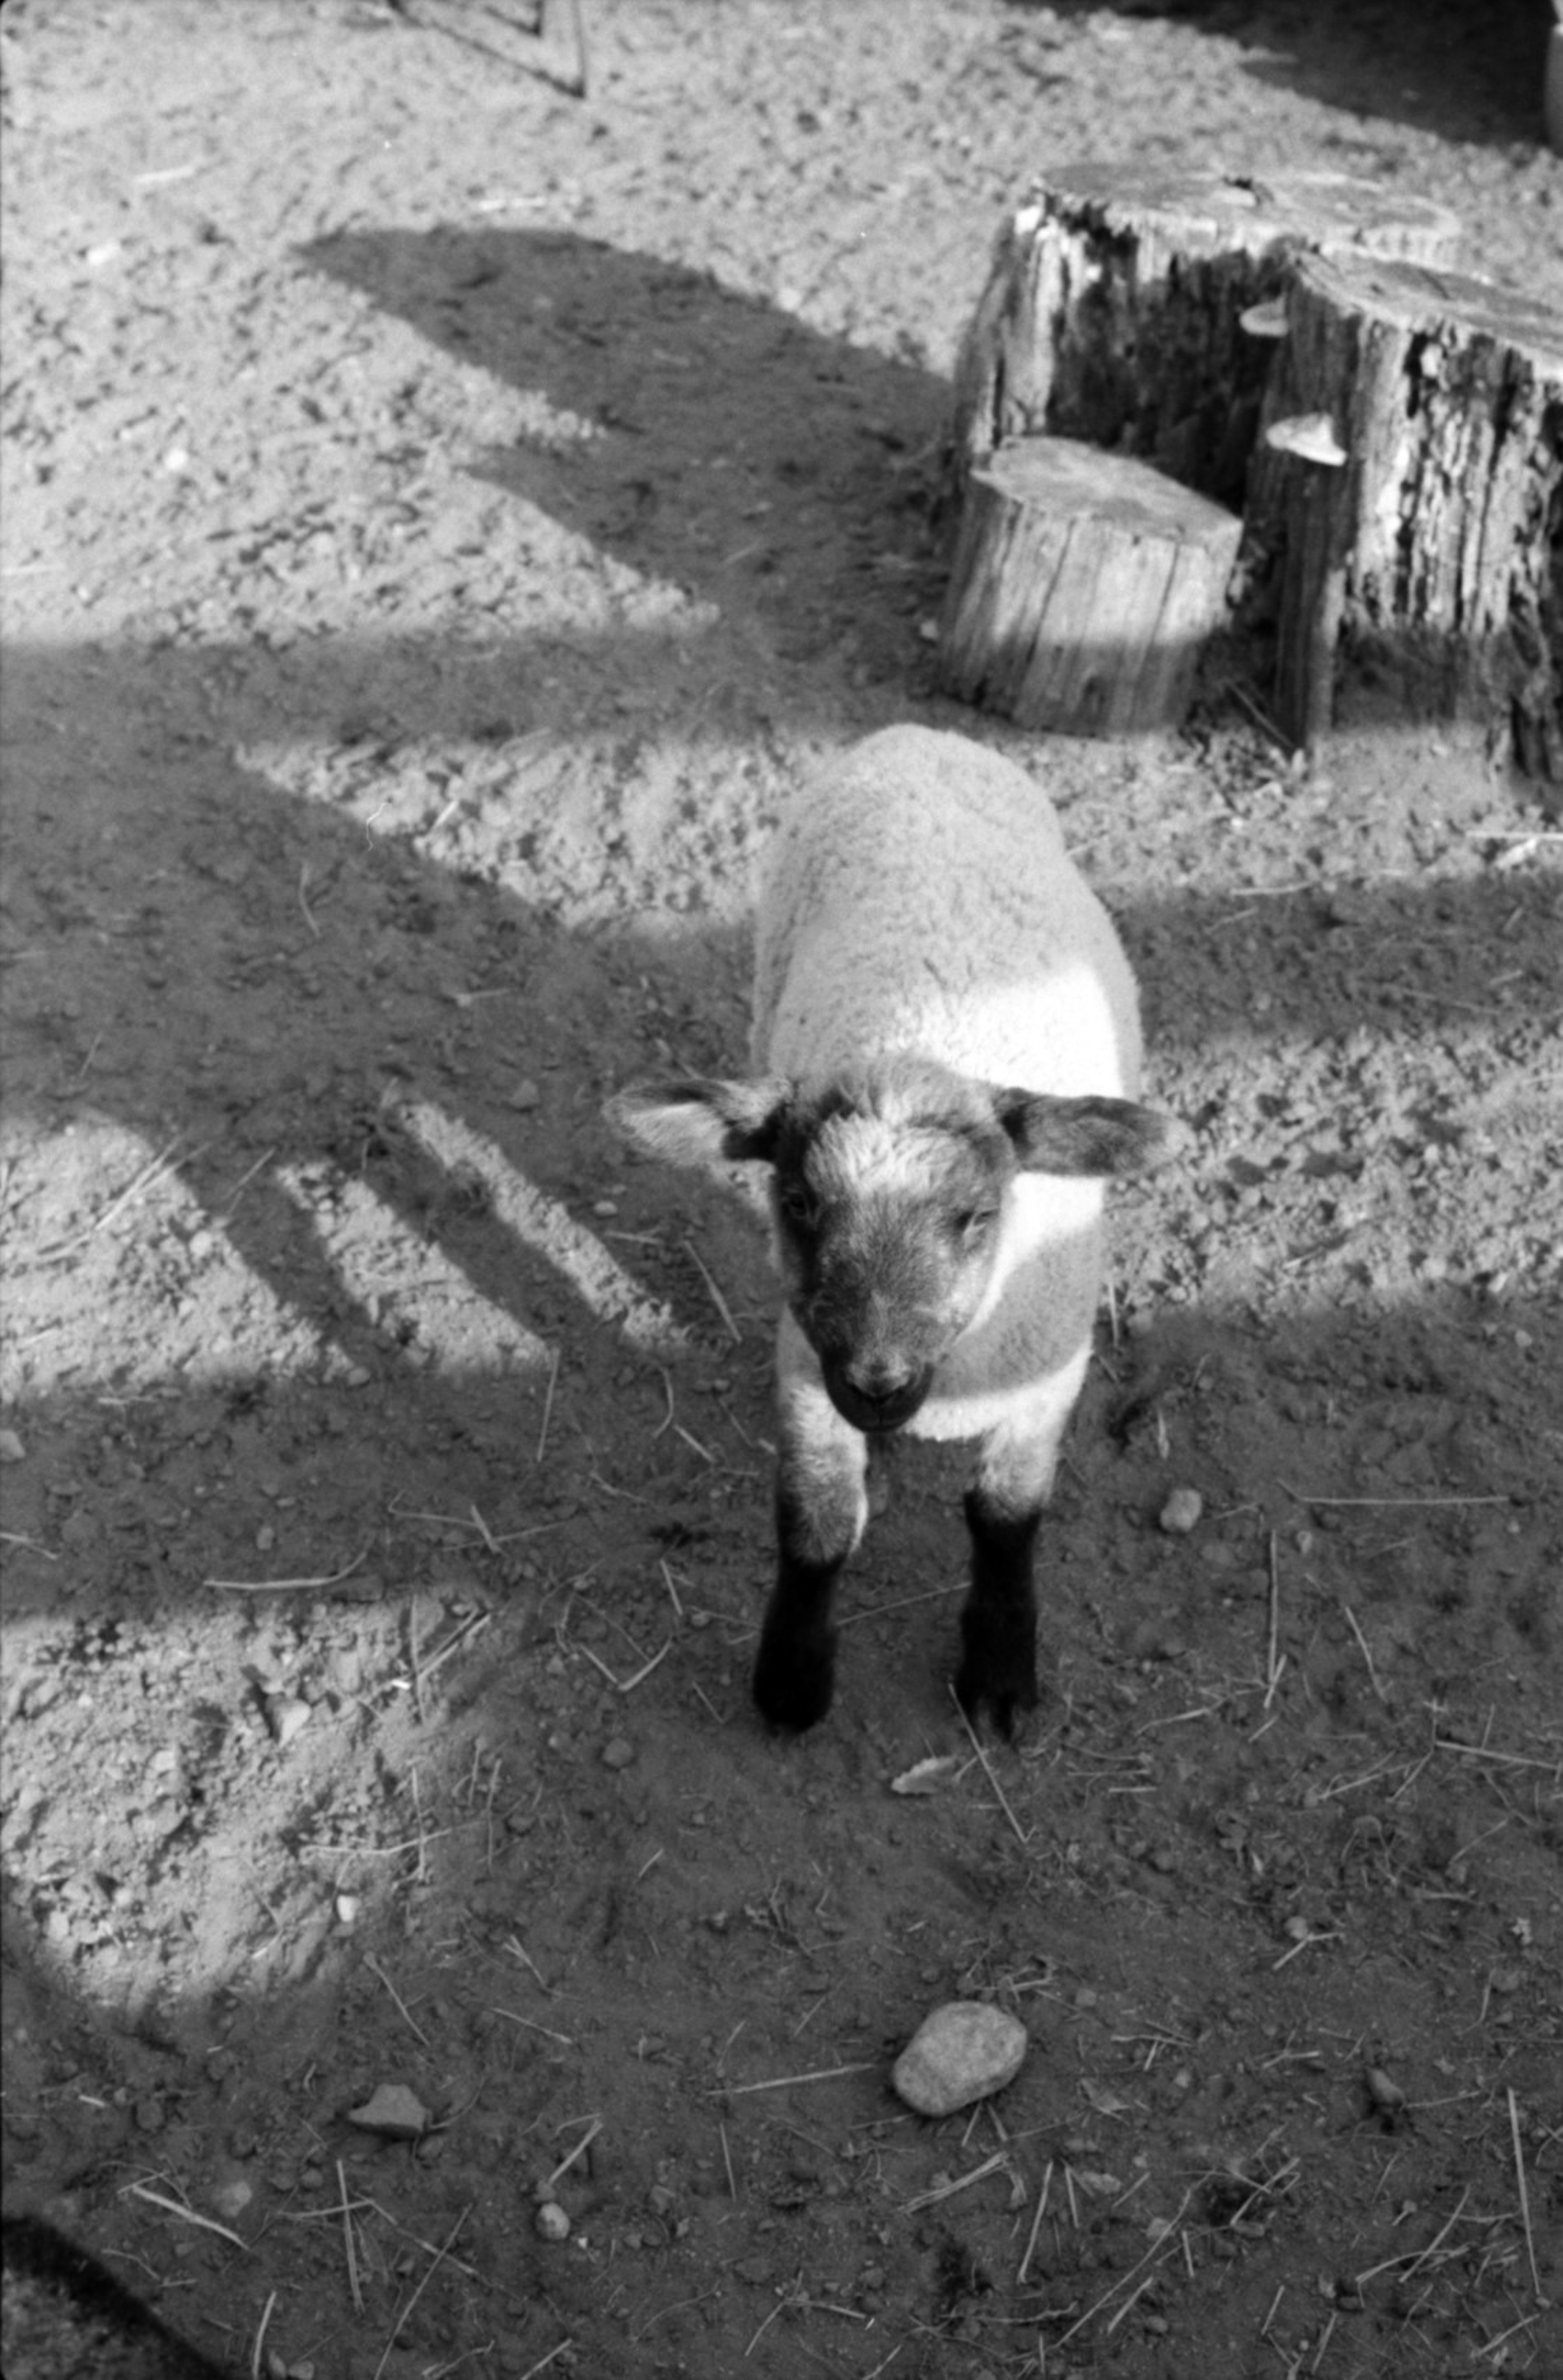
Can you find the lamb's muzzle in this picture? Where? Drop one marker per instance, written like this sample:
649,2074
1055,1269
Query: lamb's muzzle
947,1048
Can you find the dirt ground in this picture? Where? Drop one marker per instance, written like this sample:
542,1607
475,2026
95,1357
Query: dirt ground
442,515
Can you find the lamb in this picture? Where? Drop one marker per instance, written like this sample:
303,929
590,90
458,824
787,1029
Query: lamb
946,1053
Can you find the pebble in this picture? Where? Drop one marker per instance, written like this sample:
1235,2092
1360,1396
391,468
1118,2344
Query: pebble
963,2051
618,1752
394,2110
1385,2093
1181,1511
11,1448
551,2222
286,1716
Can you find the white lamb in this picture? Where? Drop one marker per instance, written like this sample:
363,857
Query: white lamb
947,1043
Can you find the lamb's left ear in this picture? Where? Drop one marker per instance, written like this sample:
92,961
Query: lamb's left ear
1052,1136
693,1123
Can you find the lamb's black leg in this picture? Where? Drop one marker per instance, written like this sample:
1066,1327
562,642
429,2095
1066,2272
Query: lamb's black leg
821,1509
998,1624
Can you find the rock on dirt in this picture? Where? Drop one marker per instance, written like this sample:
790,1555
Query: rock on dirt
964,2050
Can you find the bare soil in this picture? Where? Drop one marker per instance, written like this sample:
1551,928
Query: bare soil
442,515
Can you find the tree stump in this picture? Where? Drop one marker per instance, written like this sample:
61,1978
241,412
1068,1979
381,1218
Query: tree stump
1425,566
1083,590
1113,308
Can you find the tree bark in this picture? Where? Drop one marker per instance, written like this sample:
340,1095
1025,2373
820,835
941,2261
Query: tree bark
1424,572
1113,303
1083,590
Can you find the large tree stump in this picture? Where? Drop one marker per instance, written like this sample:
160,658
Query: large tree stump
1113,308
1083,590
1426,563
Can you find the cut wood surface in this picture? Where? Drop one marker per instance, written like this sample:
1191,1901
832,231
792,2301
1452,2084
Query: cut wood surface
1112,309
1083,589
1425,566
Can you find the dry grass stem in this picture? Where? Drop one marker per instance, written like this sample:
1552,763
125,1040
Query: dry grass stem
1492,2345
717,1300
1414,2258
544,2361
462,1634
1385,1503
593,2126
416,1667
548,1403
997,2162
1379,1694
346,2215
149,1173
290,1585
786,2081
440,2254
517,1950
1524,2196
1489,1752
1020,1836
377,1970
1036,2225
628,1685
565,2039
1158,2248
1274,1664
186,2213
255,2366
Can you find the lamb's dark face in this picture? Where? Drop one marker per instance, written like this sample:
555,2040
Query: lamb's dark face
892,1188
889,1210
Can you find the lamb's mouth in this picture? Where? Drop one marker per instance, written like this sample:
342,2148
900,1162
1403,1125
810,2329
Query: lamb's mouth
877,1413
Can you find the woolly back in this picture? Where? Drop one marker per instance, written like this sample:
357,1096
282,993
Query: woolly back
918,897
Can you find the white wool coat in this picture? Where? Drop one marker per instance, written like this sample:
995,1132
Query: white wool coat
918,897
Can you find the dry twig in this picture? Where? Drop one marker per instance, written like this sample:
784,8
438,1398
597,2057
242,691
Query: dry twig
1020,1836
290,1585
1524,2196
440,2256
377,1970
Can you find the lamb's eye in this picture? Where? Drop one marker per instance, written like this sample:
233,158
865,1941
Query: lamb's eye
797,1204
973,1222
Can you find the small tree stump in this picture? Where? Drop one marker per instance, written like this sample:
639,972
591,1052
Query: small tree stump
1427,565
1083,589
1113,308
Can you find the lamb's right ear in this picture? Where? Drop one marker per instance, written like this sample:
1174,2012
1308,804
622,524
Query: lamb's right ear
693,1123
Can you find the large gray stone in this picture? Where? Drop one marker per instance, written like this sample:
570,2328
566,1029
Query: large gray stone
963,2051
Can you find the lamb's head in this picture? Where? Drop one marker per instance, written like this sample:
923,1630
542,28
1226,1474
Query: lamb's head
892,1191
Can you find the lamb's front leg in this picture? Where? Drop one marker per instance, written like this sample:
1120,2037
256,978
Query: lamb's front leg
822,1506
1004,1507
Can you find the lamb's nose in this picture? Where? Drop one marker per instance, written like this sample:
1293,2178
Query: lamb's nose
880,1379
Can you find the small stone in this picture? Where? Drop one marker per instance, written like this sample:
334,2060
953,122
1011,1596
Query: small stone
1385,2093
393,2110
618,1752
347,1906
551,2222
230,2198
525,1097
1181,1511
11,1448
963,2051
286,1716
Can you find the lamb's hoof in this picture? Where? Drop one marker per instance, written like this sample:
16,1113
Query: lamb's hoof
1007,1696
794,1682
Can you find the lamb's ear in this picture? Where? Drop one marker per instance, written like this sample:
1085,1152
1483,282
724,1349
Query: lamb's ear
691,1122
1099,1136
